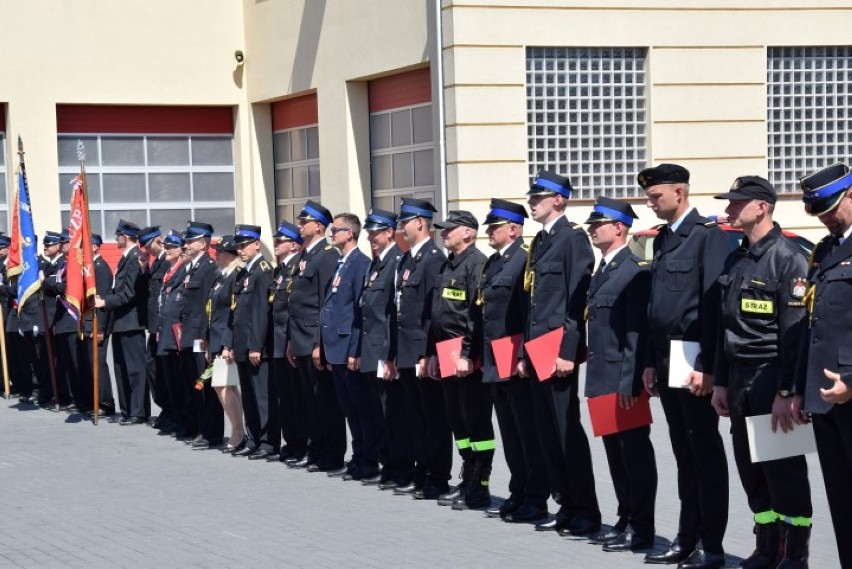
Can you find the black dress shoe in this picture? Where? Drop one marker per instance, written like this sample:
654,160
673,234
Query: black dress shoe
372,480
117,419
674,554
207,445
604,536
132,421
263,454
700,559
337,472
508,506
556,524
429,493
389,485
581,527
526,513
26,400
406,490
245,451
448,498
303,462
628,542
199,442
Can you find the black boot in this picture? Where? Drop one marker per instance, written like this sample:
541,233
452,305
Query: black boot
458,492
478,495
766,552
795,546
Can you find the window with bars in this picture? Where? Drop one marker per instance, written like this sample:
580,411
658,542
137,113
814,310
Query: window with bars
809,111
4,188
586,117
402,155
160,180
297,173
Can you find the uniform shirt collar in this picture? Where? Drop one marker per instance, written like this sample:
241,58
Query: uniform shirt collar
314,245
677,222
416,248
547,227
288,257
129,249
611,255
384,253
254,260
845,235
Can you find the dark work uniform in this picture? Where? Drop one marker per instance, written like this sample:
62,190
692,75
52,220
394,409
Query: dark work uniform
252,334
467,399
168,349
504,303
128,307
416,280
315,270
103,284
64,334
340,331
155,374
561,263
684,306
20,376
289,408
34,354
378,342
206,415
827,345
618,325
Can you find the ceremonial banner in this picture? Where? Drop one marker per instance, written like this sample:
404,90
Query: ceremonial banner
80,288
23,251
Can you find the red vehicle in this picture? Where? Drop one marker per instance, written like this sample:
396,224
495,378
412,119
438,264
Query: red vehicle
642,241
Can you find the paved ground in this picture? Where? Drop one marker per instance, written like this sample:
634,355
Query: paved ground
74,495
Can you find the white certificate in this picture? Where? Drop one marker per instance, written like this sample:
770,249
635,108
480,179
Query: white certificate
682,361
380,370
765,445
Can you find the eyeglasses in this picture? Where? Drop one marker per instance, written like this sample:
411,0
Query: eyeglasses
336,230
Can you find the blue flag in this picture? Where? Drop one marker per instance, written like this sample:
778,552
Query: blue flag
23,254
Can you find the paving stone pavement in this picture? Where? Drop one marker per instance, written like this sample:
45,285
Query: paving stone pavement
76,495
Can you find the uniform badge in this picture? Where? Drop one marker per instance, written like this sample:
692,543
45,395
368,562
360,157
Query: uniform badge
302,265
245,282
334,283
279,279
217,286
405,275
799,288
374,275
186,279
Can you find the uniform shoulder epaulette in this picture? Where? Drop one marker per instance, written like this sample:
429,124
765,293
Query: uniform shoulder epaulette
329,247
660,226
264,266
576,226
525,247
433,250
709,223
641,263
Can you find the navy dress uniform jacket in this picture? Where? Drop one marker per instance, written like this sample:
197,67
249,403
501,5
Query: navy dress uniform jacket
315,270
220,333
251,310
340,319
103,284
280,300
158,269
197,282
416,280
170,311
618,324
128,301
54,289
378,312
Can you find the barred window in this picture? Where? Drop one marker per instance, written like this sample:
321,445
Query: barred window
151,180
586,117
4,193
809,111
402,155
297,172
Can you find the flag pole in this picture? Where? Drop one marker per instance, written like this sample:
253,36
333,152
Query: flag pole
48,336
96,362
6,388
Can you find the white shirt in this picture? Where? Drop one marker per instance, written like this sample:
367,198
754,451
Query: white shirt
680,219
611,255
288,257
845,235
506,248
253,261
416,248
549,225
129,249
384,253
313,245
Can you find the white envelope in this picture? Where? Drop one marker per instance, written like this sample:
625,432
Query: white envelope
196,346
682,361
380,370
765,445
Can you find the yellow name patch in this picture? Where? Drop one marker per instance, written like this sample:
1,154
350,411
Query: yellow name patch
757,306
454,294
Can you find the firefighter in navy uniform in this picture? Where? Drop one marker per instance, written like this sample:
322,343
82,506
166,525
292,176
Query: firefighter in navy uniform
824,370
689,253
325,429
288,242
63,327
416,280
762,320
251,349
21,380
466,397
502,314
617,325
560,266
378,343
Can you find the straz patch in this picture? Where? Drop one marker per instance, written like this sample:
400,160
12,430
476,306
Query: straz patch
798,288
453,294
755,306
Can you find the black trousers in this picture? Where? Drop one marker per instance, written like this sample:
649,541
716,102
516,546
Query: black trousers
396,452
702,467
68,379
258,394
630,456
468,405
778,485
833,432
155,377
19,364
105,397
177,394
128,353
290,414
205,407
37,364
361,406
326,425
565,446
429,429
515,417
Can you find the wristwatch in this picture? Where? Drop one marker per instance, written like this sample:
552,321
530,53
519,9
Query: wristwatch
785,393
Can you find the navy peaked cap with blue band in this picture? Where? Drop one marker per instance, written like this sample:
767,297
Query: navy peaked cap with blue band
503,211
608,209
314,211
5,240
379,219
663,174
412,207
148,234
127,228
824,189
289,232
97,239
173,239
246,233
226,244
549,183
197,229
51,238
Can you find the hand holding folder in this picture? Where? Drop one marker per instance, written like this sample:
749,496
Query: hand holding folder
543,352
608,418
449,352
505,352
177,330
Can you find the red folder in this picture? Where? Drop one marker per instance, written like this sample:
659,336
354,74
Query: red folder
543,352
608,418
177,330
448,354
505,352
